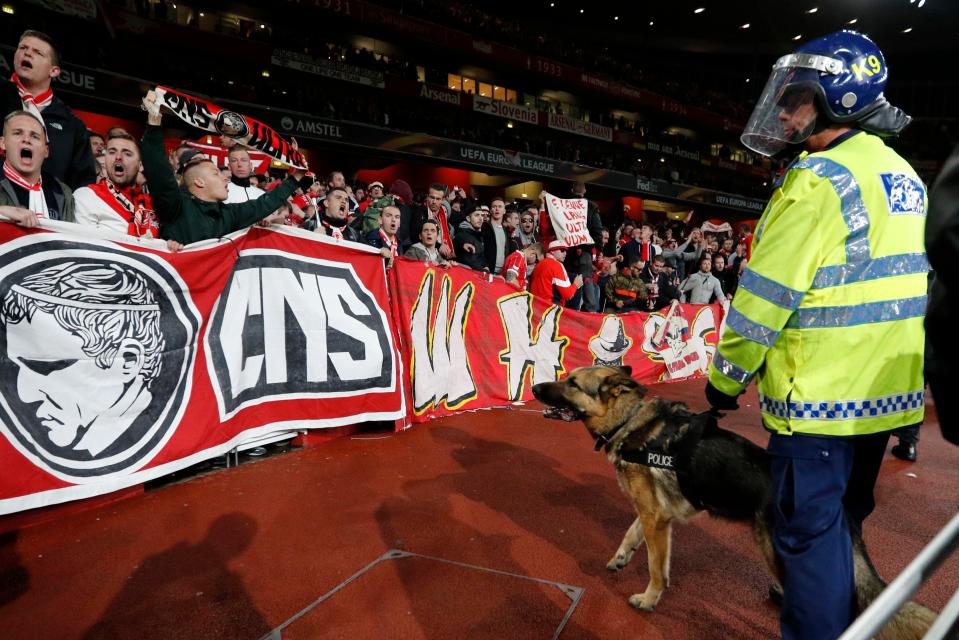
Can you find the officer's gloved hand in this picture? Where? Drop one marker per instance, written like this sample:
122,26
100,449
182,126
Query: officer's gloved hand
719,400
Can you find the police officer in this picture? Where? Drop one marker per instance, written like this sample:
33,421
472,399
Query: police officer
828,316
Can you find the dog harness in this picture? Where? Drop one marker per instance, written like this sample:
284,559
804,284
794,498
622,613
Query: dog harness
666,451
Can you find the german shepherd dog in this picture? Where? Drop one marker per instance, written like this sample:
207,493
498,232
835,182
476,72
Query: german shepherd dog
672,465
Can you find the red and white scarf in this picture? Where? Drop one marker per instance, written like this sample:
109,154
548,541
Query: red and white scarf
33,103
645,251
134,206
392,244
38,203
334,232
443,230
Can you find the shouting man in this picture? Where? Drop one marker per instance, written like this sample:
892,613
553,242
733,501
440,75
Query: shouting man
118,203
24,195
36,64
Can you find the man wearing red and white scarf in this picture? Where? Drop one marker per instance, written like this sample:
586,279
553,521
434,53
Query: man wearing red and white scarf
434,210
641,247
335,219
117,203
26,194
385,238
36,63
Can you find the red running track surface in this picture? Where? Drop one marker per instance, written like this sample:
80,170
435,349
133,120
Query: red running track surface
237,553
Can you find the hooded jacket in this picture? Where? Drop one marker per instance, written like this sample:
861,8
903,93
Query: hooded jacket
466,234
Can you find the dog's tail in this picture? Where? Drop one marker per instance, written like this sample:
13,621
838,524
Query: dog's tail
912,620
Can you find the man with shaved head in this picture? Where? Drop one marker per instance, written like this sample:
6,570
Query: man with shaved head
26,193
199,211
239,187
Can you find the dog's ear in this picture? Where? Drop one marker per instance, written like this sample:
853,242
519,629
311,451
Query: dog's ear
627,370
618,383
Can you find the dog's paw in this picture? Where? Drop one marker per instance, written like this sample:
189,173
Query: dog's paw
644,601
619,561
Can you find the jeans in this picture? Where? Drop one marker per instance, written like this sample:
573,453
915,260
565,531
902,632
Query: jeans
586,298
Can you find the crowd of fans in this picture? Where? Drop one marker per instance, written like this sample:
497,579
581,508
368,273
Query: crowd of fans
54,168
325,98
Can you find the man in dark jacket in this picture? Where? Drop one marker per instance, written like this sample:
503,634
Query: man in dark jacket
402,199
435,210
199,211
579,260
468,242
942,316
496,239
662,291
335,216
35,64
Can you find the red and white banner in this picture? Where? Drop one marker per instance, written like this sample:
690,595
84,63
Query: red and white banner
245,130
716,226
506,110
579,127
470,343
121,363
568,217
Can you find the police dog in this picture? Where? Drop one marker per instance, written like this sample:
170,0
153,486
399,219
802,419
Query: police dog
672,465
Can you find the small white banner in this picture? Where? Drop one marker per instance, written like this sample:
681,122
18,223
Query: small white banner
568,216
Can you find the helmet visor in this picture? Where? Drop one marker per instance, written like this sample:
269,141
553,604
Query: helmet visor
785,113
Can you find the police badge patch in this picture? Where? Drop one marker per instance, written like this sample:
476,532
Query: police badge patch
905,195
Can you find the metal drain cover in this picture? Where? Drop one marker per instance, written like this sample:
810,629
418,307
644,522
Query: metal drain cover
409,595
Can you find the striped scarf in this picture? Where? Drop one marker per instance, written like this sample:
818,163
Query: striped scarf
38,203
33,104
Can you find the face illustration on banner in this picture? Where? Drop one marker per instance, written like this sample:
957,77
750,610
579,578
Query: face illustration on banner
685,351
231,124
95,351
86,401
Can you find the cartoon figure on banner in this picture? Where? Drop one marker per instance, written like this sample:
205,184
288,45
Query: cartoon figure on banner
685,351
93,361
610,345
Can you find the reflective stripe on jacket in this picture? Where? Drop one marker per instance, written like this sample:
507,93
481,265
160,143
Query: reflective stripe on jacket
829,313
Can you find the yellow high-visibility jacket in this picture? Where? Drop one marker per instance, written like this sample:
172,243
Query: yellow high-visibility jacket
829,312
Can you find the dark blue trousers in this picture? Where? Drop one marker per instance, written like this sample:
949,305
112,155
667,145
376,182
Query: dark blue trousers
810,477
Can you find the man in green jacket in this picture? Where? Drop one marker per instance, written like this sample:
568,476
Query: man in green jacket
198,211
626,291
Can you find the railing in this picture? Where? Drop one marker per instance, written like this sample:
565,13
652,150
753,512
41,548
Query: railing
907,583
